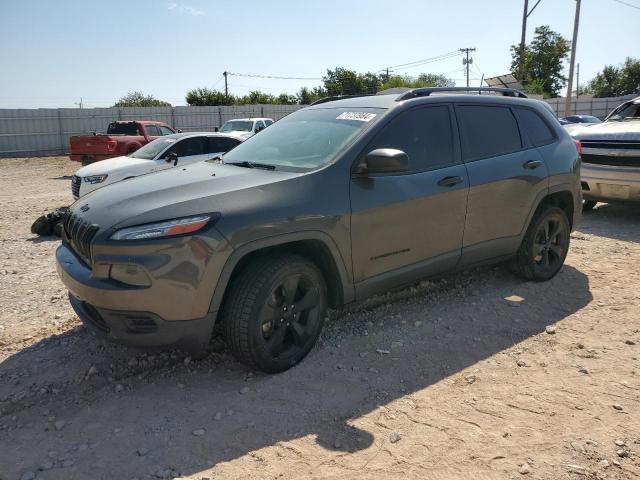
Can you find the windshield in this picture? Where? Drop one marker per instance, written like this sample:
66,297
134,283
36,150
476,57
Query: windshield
628,111
153,148
237,126
305,139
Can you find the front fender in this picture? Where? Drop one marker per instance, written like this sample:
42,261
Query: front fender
274,241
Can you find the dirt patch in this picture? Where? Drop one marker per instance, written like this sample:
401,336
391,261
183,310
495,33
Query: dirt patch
477,375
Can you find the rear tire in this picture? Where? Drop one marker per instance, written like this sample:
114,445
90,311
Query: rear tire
588,205
274,312
545,245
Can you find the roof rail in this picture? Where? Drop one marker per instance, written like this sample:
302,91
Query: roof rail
425,92
340,97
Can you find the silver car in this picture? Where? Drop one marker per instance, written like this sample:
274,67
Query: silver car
611,156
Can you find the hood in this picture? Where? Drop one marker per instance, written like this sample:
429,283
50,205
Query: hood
612,130
240,134
110,165
178,192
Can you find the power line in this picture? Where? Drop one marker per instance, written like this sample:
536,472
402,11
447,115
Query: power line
627,4
272,77
424,61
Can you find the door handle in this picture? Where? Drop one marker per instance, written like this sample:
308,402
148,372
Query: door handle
450,181
532,164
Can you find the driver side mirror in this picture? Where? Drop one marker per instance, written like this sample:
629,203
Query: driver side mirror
383,160
172,157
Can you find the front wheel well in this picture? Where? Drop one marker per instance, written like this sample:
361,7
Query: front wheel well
316,251
563,200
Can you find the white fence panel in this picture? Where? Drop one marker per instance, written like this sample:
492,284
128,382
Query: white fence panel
46,131
598,107
31,132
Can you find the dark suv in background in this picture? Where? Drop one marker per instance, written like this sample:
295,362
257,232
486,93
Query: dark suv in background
332,204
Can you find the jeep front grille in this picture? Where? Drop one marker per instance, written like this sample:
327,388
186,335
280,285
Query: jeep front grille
75,186
79,232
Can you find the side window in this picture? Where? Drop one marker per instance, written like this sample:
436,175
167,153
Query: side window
534,127
268,122
188,147
165,130
221,144
424,134
259,125
152,130
487,131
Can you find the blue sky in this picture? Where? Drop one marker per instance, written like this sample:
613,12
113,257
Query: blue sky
54,52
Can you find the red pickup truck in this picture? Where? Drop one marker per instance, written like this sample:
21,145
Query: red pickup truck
122,138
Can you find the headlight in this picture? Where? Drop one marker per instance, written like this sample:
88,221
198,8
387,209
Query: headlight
169,228
95,178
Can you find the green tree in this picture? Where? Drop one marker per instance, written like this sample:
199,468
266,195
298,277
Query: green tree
202,97
631,76
617,81
139,99
306,96
422,80
434,80
341,81
544,61
285,99
606,83
256,97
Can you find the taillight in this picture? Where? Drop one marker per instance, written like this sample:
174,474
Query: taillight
579,147
111,145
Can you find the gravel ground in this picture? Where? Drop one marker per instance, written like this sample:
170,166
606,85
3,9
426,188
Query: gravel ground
474,375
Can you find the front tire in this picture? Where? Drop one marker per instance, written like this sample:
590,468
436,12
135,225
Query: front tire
274,312
545,245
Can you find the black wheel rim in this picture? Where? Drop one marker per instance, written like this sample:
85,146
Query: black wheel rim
549,244
290,316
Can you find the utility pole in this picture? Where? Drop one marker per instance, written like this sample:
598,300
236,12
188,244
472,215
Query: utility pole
466,61
525,14
79,103
226,88
574,41
577,80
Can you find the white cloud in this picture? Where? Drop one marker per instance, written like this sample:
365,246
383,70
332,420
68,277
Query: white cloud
184,9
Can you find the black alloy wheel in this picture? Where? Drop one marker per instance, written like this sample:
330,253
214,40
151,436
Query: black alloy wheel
544,246
550,244
274,311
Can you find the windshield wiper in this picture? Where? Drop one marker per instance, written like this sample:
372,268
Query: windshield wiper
246,164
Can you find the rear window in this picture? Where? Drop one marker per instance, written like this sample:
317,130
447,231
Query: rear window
534,127
123,129
487,131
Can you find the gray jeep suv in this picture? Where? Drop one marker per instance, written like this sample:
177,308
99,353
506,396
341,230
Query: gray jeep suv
334,203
